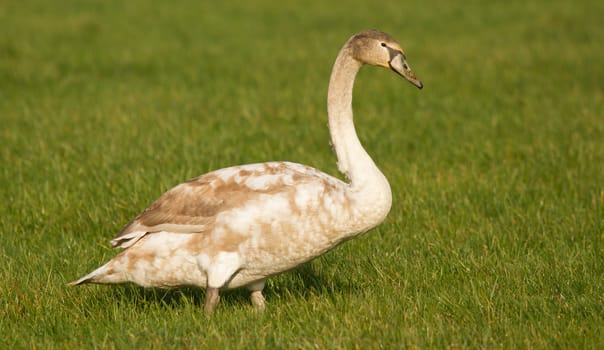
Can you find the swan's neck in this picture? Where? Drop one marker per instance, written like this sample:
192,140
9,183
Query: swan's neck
353,160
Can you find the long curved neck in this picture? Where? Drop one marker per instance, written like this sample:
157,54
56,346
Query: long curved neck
353,160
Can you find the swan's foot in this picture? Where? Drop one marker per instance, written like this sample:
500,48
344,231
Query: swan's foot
212,298
258,300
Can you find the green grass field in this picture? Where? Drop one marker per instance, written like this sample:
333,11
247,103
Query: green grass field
496,234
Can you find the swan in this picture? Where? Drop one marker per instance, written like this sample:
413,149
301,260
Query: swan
237,226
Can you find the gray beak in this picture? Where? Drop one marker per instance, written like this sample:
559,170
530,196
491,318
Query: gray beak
398,63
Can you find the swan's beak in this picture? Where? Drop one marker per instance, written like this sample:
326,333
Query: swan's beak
399,65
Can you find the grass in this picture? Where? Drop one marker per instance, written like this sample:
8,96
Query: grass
495,238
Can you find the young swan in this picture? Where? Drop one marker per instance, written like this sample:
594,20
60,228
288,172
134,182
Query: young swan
238,226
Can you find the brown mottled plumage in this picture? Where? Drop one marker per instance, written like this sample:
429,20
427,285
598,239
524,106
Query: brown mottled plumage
240,225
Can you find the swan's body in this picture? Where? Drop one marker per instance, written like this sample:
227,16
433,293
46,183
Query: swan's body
240,225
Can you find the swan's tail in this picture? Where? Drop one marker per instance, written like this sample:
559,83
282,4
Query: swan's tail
102,275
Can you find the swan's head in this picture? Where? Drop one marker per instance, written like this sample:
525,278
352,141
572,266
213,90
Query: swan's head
380,49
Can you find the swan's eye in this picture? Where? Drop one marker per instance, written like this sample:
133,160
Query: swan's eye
383,44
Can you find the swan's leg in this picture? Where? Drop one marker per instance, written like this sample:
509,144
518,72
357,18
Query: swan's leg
258,300
256,296
221,270
212,298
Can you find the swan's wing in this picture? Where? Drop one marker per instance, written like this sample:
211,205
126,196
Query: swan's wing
187,208
192,206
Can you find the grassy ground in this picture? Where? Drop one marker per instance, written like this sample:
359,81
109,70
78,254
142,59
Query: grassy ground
495,239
